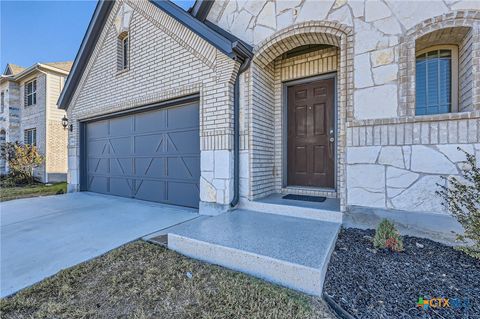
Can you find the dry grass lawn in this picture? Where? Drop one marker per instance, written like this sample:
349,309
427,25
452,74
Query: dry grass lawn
10,193
142,280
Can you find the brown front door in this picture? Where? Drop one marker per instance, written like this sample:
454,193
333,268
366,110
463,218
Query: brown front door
311,135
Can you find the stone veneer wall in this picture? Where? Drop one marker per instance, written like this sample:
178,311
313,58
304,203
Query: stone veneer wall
379,123
167,61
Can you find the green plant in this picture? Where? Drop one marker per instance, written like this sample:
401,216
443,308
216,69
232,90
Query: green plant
387,236
22,160
461,196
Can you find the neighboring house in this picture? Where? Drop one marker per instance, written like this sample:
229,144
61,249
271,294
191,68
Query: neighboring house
361,101
29,114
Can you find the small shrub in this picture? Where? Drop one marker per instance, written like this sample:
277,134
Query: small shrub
461,197
387,237
22,160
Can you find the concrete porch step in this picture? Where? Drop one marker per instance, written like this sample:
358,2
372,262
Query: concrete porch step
289,251
329,210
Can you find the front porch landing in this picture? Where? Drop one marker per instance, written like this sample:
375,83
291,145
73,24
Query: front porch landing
289,251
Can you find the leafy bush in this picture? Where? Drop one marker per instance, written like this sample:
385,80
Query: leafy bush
461,197
22,160
387,236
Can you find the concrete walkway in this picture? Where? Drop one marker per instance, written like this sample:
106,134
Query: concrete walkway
41,236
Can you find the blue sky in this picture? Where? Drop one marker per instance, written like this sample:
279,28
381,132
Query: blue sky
45,31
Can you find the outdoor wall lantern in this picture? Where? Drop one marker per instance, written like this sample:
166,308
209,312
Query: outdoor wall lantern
65,123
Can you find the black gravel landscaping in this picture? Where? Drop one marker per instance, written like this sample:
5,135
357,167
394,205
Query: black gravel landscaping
370,283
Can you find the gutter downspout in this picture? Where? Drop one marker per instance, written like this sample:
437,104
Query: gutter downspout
236,133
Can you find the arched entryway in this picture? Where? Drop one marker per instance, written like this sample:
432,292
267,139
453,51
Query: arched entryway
302,77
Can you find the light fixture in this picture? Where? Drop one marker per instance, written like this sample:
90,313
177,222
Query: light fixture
65,123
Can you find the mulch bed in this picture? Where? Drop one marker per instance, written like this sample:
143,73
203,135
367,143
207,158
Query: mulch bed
142,280
370,283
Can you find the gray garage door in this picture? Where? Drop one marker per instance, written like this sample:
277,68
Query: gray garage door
153,155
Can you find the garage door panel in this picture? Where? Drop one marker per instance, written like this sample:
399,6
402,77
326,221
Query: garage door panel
98,184
120,126
148,189
121,146
97,147
121,166
188,114
182,168
97,129
150,122
183,142
98,165
185,194
121,186
153,155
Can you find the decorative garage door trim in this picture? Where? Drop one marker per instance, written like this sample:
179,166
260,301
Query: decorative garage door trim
152,154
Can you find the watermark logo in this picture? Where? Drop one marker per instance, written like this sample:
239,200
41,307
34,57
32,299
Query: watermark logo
442,303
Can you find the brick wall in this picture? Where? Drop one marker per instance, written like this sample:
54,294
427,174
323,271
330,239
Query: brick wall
167,61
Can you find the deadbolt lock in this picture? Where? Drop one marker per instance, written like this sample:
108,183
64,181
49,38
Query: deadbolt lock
332,140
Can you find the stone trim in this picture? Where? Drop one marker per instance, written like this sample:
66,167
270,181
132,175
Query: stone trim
407,55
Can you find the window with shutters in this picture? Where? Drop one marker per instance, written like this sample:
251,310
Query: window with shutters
30,137
31,93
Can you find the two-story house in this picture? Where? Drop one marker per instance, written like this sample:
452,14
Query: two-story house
29,114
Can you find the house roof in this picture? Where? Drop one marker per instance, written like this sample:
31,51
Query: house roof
66,66
13,69
15,73
229,45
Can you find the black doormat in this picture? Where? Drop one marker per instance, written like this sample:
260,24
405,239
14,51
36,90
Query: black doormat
305,198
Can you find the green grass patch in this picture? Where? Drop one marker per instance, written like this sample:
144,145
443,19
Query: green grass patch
9,193
142,280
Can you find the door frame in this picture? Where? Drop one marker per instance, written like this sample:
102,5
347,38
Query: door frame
284,146
82,123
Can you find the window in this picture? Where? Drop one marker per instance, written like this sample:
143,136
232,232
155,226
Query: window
436,80
2,105
123,51
30,137
31,93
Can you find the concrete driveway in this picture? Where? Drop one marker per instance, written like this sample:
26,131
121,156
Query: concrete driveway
40,236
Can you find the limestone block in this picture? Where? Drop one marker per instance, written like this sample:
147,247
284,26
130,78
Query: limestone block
267,16
370,177
466,5
454,155
207,161
391,155
285,19
314,10
376,10
362,197
223,164
358,8
428,160
385,74
260,33
241,22
400,178
407,152
285,5
253,6
376,102
366,37
208,192
382,57
411,12
421,196
342,16
388,25
363,75
362,155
